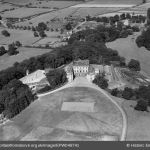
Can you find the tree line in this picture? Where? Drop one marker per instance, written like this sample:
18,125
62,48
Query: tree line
141,95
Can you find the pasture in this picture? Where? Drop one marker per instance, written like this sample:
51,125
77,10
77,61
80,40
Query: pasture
24,53
19,2
5,6
51,38
24,12
26,37
55,4
128,49
44,120
48,16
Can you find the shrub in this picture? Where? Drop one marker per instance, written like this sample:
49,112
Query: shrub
2,50
134,65
142,105
5,33
101,81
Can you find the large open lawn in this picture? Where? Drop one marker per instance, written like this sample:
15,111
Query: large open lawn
128,49
24,53
138,123
44,119
26,37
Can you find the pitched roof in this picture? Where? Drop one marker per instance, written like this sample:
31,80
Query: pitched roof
34,77
81,62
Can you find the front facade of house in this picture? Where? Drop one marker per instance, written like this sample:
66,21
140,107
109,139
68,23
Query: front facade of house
83,68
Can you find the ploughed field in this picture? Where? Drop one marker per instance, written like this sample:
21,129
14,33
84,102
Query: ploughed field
75,113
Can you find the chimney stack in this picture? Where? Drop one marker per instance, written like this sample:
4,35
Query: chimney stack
27,72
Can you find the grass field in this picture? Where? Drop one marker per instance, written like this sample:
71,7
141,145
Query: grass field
26,37
24,53
51,37
55,4
44,120
115,2
6,6
45,3
24,12
19,2
128,49
138,123
94,11
47,17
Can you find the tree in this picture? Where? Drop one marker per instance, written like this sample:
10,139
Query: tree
35,34
68,26
5,33
33,28
141,105
123,16
12,50
115,92
2,50
140,41
18,44
15,97
41,26
127,93
2,108
148,16
128,16
42,34
56,77
144,1
134,65
101,81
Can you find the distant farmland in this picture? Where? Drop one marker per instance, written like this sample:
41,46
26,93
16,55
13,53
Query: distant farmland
24,12
24,36
24,53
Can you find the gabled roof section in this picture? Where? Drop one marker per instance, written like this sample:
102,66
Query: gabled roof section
81,63
34,77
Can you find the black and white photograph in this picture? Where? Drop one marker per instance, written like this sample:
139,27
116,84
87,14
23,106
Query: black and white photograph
75,70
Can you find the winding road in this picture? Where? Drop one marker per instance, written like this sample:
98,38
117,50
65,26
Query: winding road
83,82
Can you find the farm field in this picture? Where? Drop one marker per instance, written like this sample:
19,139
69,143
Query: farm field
55,4
26,37
44,119
51,38
138,123
45,3
128,49
6,6
24,12
19,2
47,17
83,12
115,2
24,53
